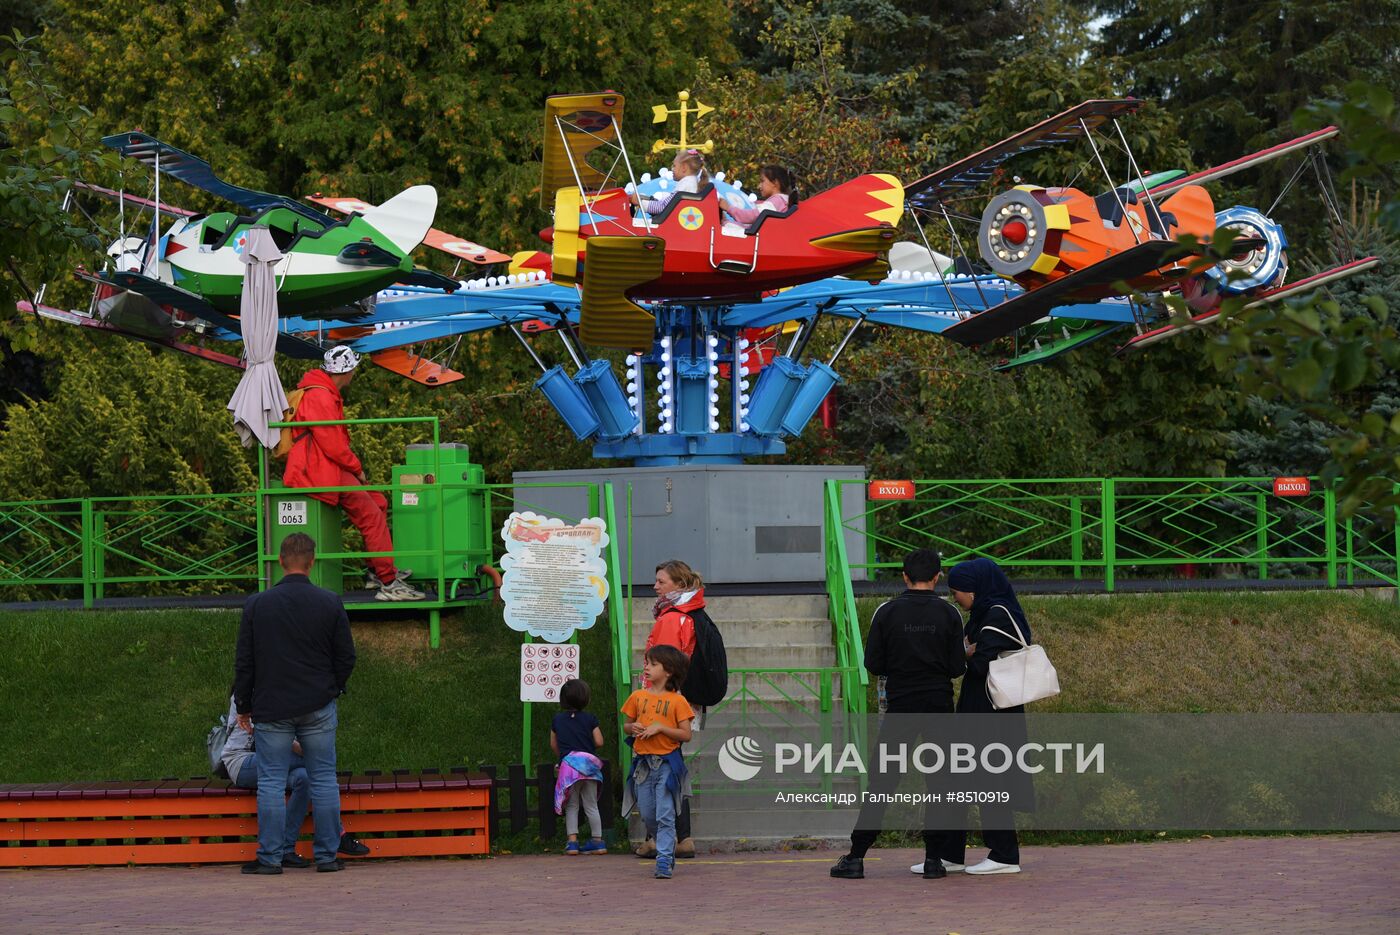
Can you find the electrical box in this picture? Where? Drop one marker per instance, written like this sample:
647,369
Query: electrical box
436,512
291,510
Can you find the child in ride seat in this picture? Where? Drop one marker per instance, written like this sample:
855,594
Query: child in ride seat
688,169
575,737
775,189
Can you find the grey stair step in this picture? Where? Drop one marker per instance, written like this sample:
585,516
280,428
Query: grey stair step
769,689
782,656
754,607
752,632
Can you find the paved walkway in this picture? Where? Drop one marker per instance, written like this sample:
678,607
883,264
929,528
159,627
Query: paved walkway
1237,885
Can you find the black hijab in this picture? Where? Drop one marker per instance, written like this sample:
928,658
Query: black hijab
985,580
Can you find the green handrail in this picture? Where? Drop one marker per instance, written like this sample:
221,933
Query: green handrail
841,601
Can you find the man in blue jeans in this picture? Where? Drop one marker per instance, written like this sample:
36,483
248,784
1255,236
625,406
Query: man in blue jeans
240,760
295,654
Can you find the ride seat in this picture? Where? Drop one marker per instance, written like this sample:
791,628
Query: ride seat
679,198
1107,204
765,215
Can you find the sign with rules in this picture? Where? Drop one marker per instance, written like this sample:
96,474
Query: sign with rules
544,669
555,579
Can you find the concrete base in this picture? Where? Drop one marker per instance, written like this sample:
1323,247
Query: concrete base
733,523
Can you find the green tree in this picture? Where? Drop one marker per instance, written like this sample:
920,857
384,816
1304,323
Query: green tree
1286,439
928,62
45,142
123,420
1236,72
1334,358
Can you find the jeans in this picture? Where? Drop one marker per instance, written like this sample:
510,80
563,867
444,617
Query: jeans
298,795
659,811
316,732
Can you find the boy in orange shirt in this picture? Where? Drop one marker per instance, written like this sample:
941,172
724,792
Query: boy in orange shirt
658,722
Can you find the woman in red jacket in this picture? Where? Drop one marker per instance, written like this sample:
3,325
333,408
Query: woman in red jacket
679,590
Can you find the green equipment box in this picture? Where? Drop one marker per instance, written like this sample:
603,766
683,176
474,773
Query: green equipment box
436,507
290,510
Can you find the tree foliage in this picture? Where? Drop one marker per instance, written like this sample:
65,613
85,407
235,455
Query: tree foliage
123,420
1334,357
45,142
364,98
367,97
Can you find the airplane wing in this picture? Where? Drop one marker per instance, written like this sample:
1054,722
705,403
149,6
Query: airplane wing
165,294
1244,162
574,126
1000,320
969,172
1041,351
450,244
415,367
1148,338
97,324
165,209
921,303
194,171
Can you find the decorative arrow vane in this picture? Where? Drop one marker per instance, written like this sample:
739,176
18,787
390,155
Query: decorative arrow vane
660,113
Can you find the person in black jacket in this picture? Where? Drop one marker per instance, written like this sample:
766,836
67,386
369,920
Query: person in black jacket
981,588
916,642
295,654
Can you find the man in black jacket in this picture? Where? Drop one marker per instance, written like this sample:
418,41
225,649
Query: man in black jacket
916,642
295,654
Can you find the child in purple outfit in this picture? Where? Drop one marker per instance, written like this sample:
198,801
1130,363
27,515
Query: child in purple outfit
575,737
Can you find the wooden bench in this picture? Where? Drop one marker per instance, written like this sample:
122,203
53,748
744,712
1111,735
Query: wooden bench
200,820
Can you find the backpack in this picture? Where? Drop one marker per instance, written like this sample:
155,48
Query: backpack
707,682
289,437
214,745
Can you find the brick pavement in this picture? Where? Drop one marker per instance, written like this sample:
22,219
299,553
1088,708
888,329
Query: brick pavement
1329,884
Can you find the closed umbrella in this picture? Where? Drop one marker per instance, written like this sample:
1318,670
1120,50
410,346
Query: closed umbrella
259,398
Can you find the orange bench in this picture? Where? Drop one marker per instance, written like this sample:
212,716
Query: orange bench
200,820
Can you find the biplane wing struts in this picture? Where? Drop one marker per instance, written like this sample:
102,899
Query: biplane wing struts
933,189
197,173
1148,338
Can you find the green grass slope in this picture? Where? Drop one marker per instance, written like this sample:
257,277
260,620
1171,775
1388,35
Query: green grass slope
124,695
1219,652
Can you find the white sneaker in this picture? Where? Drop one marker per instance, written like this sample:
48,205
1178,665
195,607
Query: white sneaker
992,866
372,582
948,866
398,590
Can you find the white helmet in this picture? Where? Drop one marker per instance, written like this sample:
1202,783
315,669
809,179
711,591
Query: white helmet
340,359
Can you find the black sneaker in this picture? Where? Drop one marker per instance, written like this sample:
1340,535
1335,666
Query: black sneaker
295,860
330,866
934,869
257,866
351,846
849,868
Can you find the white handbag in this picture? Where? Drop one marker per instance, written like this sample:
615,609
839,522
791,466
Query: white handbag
1020,676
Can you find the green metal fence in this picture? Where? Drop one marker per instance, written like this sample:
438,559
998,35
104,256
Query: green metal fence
1116,528
110,546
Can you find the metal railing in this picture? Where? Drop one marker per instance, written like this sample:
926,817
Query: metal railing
162,545
1117,528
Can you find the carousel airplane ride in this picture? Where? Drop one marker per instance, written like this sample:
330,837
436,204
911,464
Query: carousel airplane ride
188,278
698,301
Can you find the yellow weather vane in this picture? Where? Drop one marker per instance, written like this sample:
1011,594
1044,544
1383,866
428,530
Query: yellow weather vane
660,113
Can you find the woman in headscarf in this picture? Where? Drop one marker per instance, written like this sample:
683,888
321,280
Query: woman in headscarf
981,589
